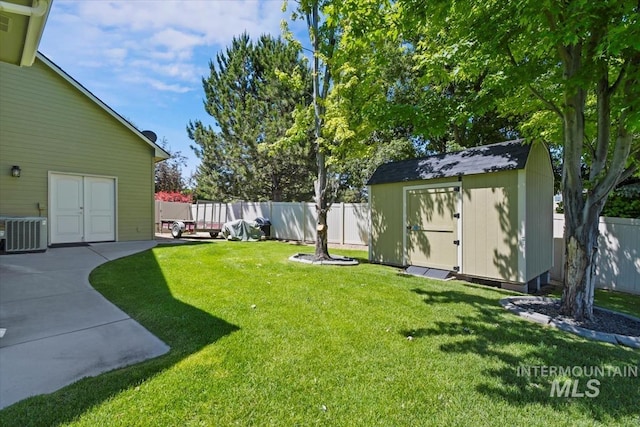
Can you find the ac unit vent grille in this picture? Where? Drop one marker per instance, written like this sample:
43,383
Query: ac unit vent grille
24,234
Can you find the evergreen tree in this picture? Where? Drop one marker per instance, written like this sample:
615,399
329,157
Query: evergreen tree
251,93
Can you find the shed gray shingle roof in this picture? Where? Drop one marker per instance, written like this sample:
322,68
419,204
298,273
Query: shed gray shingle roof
507,155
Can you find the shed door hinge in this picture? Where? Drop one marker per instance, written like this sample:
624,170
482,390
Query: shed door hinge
456,268
456,242
456,189
456,215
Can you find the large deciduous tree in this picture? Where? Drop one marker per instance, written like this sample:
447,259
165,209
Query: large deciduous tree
572,65
374,105
323,35
350,115
251,93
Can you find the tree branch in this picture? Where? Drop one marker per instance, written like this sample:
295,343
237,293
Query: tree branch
620,77
628,173
562,50
326,79
603,107
553,107
616,169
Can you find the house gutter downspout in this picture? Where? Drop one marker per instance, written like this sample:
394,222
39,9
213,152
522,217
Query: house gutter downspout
37,11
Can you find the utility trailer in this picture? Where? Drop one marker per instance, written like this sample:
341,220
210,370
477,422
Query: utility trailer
205,216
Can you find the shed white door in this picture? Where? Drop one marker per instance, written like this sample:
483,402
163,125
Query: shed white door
432,227
82,208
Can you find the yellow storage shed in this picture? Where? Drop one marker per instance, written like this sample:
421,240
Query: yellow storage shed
485,212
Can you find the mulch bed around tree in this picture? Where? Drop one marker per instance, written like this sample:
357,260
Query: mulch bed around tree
603,320
334,260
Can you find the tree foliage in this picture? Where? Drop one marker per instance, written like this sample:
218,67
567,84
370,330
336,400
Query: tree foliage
251,93
371,105
380,95
354,172
570,67
624,201
168,173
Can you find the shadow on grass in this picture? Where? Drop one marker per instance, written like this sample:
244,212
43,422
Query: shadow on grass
361,260
136,285
517,346
172,243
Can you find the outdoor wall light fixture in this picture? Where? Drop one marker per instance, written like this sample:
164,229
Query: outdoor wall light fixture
15,171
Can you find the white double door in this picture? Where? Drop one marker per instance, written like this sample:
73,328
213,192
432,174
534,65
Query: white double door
82,208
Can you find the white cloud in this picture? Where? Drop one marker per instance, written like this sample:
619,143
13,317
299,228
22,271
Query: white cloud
162,40
145,79
157,84
183,71
116,54
146,58
176,41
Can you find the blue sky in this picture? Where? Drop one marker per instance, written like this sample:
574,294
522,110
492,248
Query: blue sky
146,58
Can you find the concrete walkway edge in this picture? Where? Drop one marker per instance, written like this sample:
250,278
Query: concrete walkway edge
57,328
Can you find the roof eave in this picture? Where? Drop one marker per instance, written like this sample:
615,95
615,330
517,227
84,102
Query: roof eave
160,155
35,28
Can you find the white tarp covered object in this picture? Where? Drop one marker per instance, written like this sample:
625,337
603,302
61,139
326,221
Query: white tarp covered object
242,230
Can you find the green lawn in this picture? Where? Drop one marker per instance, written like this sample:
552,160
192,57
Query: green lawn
259,340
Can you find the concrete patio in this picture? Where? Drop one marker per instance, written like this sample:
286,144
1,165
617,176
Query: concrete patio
56,329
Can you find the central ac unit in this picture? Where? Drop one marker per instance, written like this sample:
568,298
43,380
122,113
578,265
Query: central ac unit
23,234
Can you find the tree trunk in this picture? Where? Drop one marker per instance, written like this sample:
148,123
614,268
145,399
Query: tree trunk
579,267
322,249
322,236
584,205
578,235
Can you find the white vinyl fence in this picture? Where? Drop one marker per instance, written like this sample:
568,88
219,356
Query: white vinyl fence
617,262
618,256
348,222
